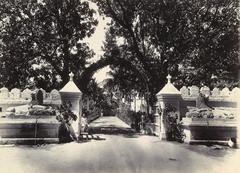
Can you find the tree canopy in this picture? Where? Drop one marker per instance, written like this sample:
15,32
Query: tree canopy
42,40
189,39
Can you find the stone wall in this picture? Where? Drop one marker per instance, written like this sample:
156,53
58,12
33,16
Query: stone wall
16,97
138,104
217,98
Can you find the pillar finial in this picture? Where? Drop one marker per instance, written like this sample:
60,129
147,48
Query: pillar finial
71,76
169,78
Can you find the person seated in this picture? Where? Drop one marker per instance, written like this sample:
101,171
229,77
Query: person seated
66,116
202,102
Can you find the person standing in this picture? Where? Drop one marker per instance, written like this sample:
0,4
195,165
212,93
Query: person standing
84,121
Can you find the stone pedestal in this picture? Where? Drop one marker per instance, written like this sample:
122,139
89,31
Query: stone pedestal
202,130
168,95
29,130
70,93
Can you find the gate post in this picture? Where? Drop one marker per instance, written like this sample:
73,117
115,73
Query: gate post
167,95
71,93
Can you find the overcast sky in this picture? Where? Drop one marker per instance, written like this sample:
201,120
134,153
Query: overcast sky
96,42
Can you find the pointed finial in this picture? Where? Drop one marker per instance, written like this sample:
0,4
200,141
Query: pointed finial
213,76
169,78
71,76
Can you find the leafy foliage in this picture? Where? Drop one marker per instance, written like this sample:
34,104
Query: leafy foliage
42,41
174,130
189,39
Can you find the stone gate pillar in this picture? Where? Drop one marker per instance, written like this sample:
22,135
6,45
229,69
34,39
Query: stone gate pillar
168,95
71,93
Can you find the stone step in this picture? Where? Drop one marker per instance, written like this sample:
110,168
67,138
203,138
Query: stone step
86,136
110,130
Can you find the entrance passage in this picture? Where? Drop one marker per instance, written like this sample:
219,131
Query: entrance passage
109,125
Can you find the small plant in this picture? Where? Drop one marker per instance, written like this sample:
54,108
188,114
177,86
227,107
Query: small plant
65,116
174,130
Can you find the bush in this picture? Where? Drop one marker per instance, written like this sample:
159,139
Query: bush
174,130
136,119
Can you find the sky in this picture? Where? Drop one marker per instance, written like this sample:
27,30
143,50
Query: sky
96,42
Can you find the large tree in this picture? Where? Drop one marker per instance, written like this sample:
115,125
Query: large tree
128,76
189,39
42,41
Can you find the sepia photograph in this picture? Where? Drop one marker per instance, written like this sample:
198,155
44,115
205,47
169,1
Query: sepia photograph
119,86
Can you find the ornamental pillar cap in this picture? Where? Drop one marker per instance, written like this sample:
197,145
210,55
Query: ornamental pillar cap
71,75
70,87
169,78
169,88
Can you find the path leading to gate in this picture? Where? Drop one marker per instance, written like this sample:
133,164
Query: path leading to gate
109,124
119,154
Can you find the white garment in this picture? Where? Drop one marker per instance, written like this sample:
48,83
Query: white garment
84,121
